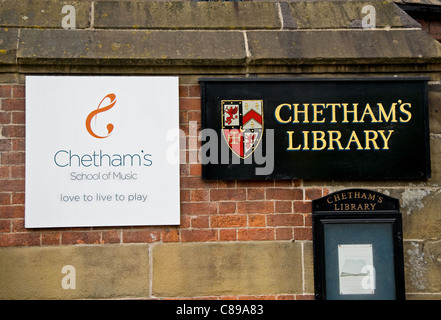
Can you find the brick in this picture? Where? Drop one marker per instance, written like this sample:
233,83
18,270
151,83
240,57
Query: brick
199,208
190,104
183,91
170,235
50,238
5,91
81,237
194,91
312,194
200,235
18,225
228,221
227,194
196,183
5,145
284,194
13,185
18,118
284,233
283,220
18,171
111,236
5,198
18,144
255,234
18,198
303,233
283,206
199,195
142,236
255,207
195,169
18,91
5,226
255,194
5,117
13,131
200,222
13,104
13,158
302,206
257,220
19,239
227,207
227,234
12,212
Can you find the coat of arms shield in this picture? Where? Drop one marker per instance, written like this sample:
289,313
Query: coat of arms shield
242,125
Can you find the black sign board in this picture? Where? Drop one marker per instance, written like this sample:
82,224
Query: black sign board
287,128
358,246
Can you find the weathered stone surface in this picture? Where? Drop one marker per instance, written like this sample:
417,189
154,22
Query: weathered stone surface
201,269
435,108
187,15
110,271
131,47
363,46
42,13
423,266
344,14
8,45
420,208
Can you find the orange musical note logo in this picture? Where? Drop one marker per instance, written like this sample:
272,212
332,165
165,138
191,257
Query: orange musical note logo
94,114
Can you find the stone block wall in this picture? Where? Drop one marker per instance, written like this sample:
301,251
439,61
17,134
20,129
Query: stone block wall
237,239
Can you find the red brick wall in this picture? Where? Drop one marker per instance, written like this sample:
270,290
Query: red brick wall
210,210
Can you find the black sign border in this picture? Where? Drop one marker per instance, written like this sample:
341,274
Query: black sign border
207,175
388,214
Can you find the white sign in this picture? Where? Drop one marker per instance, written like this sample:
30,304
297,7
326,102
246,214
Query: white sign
96,151
356,269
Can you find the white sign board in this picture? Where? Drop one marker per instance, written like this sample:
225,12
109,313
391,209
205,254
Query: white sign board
96,151
356,269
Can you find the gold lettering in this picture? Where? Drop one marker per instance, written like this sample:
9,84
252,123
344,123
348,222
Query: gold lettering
316,138
385,139
382,113
368,110
352,139
304,112
290,147
346,111
329,198
277,113
317,112
373,139
333,106
305,140
402,110
333,139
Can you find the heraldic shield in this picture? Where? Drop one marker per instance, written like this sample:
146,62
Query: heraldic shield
242,125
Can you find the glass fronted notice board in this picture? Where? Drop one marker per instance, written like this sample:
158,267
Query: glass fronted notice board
358,246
